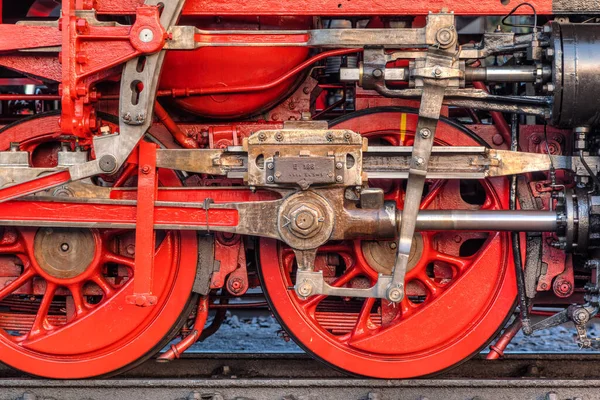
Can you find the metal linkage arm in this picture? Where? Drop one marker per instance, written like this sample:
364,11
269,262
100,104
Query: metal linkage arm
139,83
189,37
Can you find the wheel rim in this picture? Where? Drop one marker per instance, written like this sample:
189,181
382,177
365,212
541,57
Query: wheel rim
63,309
460,286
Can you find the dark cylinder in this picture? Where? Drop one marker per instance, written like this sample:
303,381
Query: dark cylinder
576,74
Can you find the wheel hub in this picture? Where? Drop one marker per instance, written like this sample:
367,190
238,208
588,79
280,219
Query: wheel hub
64,253
381,255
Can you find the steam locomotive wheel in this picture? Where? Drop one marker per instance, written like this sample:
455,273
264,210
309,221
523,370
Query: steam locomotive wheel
460,285
63,309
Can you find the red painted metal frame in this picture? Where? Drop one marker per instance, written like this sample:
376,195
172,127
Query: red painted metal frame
145,236
211,8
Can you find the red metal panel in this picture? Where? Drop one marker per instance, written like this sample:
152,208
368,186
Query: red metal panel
121,214
331,7
13,37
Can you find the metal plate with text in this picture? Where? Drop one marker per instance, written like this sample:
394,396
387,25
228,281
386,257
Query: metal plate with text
308,170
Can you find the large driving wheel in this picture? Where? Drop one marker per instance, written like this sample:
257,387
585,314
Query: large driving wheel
63,309
460,285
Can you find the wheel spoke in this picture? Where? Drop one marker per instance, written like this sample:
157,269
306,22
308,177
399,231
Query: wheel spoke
78,301
432,194
461,263
16,247
109,256
433,289
364,319
104,285
40,324
17,283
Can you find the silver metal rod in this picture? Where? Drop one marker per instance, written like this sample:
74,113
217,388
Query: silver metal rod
486,220
516,73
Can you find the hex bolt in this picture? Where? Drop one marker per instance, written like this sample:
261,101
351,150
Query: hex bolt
425,133
393,245
339,165
146,169
64,247
347,136
270,179
262,136
126,117
437,72
377,73
419,161
279,136
270,165
339,179
305,289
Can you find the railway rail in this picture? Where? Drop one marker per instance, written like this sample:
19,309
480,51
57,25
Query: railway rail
550,376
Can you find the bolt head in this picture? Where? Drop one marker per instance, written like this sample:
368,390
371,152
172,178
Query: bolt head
339,165
377,73
419,161
339,179
270,179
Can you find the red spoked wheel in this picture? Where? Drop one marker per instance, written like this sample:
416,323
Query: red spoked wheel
63,309
460,285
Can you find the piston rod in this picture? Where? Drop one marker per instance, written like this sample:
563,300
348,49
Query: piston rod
487,220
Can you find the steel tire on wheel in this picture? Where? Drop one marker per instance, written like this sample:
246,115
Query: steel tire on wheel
459,295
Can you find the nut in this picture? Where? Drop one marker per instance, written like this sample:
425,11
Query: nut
305,221
395,293
425,133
